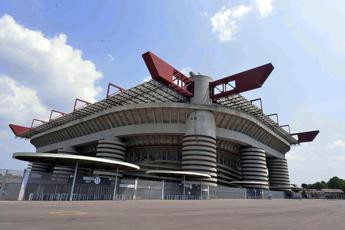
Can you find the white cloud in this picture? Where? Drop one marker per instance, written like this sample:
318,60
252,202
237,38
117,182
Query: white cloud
338,144
19,103
264,6
225,22
36,73
51,67
110,57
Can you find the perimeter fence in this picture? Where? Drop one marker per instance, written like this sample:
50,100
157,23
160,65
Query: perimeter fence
44,186
10,183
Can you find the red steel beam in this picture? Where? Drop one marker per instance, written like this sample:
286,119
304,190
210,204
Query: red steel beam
276,115
18,130
33,122
306,136
86,103
240,82
258,99
119,89
55,111
168,75
282,126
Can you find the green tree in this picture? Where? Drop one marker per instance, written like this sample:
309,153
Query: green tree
336,183
333,183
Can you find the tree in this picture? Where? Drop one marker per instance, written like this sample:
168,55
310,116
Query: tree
333,183
336,183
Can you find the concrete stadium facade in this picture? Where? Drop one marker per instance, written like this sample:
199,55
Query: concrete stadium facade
156,128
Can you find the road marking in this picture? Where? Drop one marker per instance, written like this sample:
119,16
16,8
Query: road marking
67,213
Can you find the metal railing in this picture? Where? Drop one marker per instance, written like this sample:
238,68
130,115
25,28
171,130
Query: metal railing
10,182
48,188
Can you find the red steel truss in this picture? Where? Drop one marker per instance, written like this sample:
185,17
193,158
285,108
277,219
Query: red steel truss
275,115
288,126
240,82
306,136
118,89
84,104
35,121
168,75
60,114
18,130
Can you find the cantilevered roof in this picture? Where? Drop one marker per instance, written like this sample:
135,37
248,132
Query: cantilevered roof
237,101
153,91
247,182
148,92
70,159
178,173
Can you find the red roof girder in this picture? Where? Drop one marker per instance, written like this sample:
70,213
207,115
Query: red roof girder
244,81
18,130
306,136
168,75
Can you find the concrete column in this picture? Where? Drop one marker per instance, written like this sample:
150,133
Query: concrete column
278,174
199,141
110,148
254,169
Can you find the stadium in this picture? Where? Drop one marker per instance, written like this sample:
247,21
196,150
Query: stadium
173,137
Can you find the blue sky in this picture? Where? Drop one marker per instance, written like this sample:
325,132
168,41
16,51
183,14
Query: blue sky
87,44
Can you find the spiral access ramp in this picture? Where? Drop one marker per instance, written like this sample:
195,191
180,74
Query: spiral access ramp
254,169
227,173
278,174
63,171
199,155
39,167
113,149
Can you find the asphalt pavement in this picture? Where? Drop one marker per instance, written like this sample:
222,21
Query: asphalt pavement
276,214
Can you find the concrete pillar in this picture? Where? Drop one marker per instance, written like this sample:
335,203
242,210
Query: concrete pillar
201,89
278,174
199,141
110,148
254,169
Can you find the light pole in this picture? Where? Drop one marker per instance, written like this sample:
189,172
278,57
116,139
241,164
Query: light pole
200,189
184,187
162,189
115,185
73,182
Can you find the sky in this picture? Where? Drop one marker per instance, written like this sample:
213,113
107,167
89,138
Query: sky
52,52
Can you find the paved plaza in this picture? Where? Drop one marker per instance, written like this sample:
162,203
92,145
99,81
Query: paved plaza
151,215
